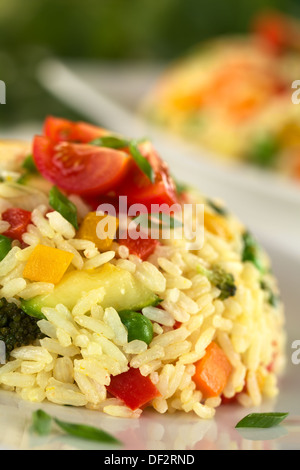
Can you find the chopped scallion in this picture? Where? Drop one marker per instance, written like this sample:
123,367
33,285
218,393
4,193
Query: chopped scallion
114,142
41,422
261,420
86,432
29,164
252,251
63,205
5,246
141,161
110,141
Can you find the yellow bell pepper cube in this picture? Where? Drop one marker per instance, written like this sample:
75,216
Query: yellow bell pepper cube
100,229
46,264
217,225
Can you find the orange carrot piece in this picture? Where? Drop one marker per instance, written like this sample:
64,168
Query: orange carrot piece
212,372
47,264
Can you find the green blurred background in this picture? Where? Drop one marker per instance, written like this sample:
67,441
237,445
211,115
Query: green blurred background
141,30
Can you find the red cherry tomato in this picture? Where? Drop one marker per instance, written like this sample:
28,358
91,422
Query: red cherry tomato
92,170
95,201
133,388
62,130
18,219
139,189
274,30
80,168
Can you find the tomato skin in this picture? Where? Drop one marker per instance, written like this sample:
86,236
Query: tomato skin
138,188
65,142
95,201
157,193
79,168
58,129
274,30
88,132
133,388
63,130
18,219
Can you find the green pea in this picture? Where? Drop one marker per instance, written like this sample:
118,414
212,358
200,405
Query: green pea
5,246
138,326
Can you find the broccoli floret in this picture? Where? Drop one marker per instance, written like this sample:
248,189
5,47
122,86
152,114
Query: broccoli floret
221,279
16,328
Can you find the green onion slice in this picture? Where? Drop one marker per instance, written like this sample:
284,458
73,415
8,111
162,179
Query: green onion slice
110,141
41,422
252,251
29,164
141,161
114,142
63,205
217,208
261,420
158,221
180,186
86,432
5,246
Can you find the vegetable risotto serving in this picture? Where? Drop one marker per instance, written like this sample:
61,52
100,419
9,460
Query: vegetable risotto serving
98,311
233,96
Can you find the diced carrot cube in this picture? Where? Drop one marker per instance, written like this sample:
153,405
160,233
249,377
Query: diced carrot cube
212,372
100,229
47,264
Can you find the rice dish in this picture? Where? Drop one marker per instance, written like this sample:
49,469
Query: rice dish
165,323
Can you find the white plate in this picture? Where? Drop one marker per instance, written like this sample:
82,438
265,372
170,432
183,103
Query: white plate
178,431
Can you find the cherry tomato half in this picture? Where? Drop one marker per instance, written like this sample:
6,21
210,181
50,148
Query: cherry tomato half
62,130
274,30
80,168
139,189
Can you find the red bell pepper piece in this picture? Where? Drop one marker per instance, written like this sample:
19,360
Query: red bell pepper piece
133,388
177,325
142,247
18,219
